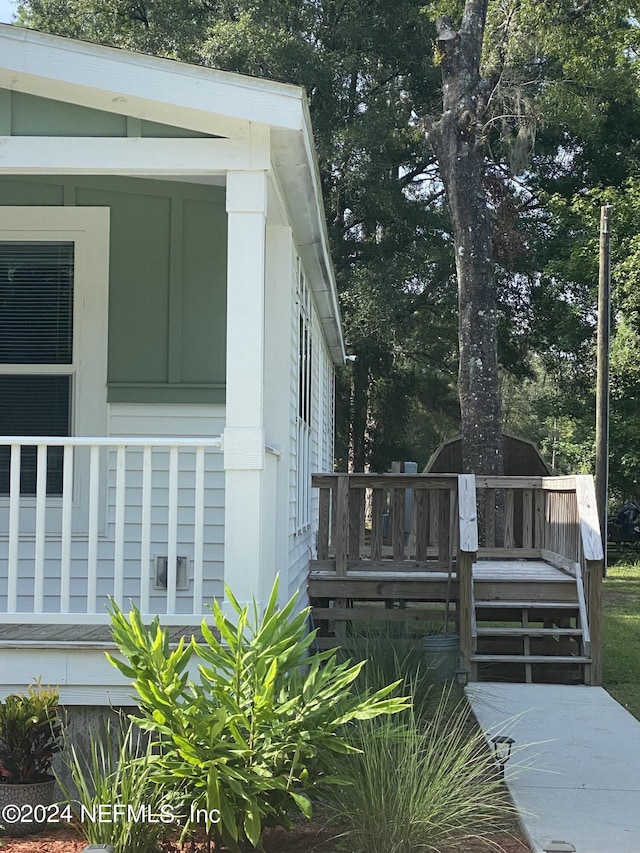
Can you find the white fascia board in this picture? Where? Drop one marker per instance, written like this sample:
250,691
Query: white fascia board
121,155
146,87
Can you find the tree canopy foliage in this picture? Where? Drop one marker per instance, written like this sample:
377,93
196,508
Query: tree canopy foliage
559,135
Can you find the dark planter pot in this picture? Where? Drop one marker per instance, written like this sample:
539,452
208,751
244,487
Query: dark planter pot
25,808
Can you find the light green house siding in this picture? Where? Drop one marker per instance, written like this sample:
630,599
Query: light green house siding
167,281
28,115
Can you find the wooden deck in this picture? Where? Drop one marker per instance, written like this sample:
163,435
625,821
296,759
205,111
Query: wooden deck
522,590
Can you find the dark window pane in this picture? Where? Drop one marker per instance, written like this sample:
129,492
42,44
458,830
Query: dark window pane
34,405
36,303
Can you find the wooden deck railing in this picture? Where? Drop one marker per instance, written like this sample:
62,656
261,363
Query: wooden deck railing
572,531
549,518
455,520
401,521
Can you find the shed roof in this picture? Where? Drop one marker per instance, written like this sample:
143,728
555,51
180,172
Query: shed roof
521,457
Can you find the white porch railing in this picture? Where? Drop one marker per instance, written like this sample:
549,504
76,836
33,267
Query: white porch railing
86,519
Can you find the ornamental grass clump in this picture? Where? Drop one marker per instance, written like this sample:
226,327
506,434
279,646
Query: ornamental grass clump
393,650
111,795
416,786
245,743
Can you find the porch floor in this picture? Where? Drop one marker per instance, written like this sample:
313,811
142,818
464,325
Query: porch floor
57,636
575,772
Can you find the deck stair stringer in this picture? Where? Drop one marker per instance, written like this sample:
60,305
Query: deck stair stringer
529,622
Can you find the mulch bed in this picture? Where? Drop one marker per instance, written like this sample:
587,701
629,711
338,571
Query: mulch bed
310,837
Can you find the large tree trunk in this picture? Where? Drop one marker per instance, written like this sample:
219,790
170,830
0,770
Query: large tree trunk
359,409
456,139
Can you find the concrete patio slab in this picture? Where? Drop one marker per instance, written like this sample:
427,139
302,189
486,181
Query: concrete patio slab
575,771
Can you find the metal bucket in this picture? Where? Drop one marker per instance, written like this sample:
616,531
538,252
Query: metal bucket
442,655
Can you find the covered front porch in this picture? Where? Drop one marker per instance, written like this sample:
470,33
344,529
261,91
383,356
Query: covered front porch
88,521
168,314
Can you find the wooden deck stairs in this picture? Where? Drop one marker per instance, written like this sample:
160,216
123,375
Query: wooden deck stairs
529,623
514,562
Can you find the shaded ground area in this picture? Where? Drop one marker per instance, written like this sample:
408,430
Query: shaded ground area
312,837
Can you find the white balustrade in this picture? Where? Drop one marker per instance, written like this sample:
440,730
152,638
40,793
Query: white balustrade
94,531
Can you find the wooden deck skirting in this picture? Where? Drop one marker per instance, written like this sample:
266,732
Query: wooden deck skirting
373,551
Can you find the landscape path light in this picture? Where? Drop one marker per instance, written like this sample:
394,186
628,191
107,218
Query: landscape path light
558,847
502,749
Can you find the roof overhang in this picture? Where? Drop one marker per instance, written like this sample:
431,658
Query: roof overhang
200,99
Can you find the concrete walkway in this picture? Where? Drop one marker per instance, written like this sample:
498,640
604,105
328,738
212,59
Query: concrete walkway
575,771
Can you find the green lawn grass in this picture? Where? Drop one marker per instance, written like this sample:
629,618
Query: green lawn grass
621,633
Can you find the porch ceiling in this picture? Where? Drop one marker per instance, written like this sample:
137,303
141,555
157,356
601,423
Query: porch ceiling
206,100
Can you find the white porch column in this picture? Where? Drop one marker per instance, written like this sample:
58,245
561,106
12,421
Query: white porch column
279,404
244,436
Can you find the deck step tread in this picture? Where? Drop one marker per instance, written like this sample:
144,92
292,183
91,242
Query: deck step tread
530,659
529,632
559,578
539,604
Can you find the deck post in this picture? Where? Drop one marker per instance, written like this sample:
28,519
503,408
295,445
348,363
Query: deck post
467,551
342,524
594,569
594,562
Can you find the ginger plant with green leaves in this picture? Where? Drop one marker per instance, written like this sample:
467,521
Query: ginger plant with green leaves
244,744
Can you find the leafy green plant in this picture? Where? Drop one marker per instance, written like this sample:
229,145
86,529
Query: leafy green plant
31,733
111,793
418,787
244,745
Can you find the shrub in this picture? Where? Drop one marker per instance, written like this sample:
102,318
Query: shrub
245,743
30,735
416,787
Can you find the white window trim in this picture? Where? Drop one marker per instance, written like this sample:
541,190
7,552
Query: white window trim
88,229
304,427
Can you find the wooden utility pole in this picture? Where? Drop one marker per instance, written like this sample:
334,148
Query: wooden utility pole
602,387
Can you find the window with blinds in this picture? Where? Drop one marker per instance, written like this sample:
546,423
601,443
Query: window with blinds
36,331
303,448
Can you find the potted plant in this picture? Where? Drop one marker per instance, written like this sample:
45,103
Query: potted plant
31,733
